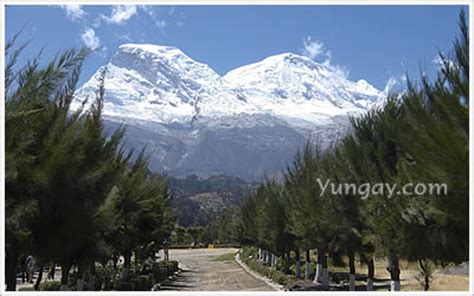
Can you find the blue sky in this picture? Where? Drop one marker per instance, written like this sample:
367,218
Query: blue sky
375,43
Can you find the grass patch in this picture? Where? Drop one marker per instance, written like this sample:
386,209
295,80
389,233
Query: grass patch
225,258
248,257
26,289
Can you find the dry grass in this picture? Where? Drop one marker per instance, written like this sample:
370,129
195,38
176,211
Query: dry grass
440,281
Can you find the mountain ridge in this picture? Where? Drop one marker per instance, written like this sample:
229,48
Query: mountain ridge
246,123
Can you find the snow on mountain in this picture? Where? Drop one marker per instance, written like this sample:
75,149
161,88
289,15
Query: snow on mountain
244,123
295,87
162,84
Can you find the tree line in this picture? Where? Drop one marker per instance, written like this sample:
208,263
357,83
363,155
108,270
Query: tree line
419,136
73,196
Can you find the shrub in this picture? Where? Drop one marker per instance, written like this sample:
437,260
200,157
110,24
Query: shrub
25,289
50,286
107,277
277,276
126,286
143,283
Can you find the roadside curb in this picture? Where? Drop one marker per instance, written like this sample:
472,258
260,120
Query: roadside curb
258,276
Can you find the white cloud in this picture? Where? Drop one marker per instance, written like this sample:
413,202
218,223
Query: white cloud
439,62
403,78
120,14
127,37
313,49
148,9
73,11
316,50
151,12
160,24
172,10
390,84
90,39
338,69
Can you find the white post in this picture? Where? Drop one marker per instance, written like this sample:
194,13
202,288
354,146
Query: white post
352,278
91,282
394,286
80,284
298,268
325,280
317,275
370,284
272,260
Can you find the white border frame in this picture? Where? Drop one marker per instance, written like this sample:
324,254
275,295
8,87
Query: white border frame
470,4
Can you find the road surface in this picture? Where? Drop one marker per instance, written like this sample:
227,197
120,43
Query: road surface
203,271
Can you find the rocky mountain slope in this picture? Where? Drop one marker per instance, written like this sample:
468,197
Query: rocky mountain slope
246,123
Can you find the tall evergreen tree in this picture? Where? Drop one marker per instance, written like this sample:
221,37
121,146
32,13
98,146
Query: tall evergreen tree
35,100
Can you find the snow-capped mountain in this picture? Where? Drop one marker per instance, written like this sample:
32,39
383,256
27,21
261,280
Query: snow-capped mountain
245,123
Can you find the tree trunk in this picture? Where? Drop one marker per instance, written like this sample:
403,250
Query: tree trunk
135,258
394,270
298,264
91,283
325,273
115,261
273,260
319,268
352,271
370,275
51,271
126,265
308,261
426,274
64,277
40,277
11,269
80,278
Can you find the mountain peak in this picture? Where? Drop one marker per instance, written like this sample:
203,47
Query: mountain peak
152,50
147,47
291,58
195,120
160,83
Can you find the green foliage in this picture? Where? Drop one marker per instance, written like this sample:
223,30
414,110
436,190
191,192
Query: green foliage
199,201
437,151
71,196
418,136
275,275
138,211
159,271
50,286
225,258
425,275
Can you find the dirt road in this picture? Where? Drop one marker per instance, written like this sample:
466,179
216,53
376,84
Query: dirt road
212,270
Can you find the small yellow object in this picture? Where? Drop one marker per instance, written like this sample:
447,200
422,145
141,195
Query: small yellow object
210,246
